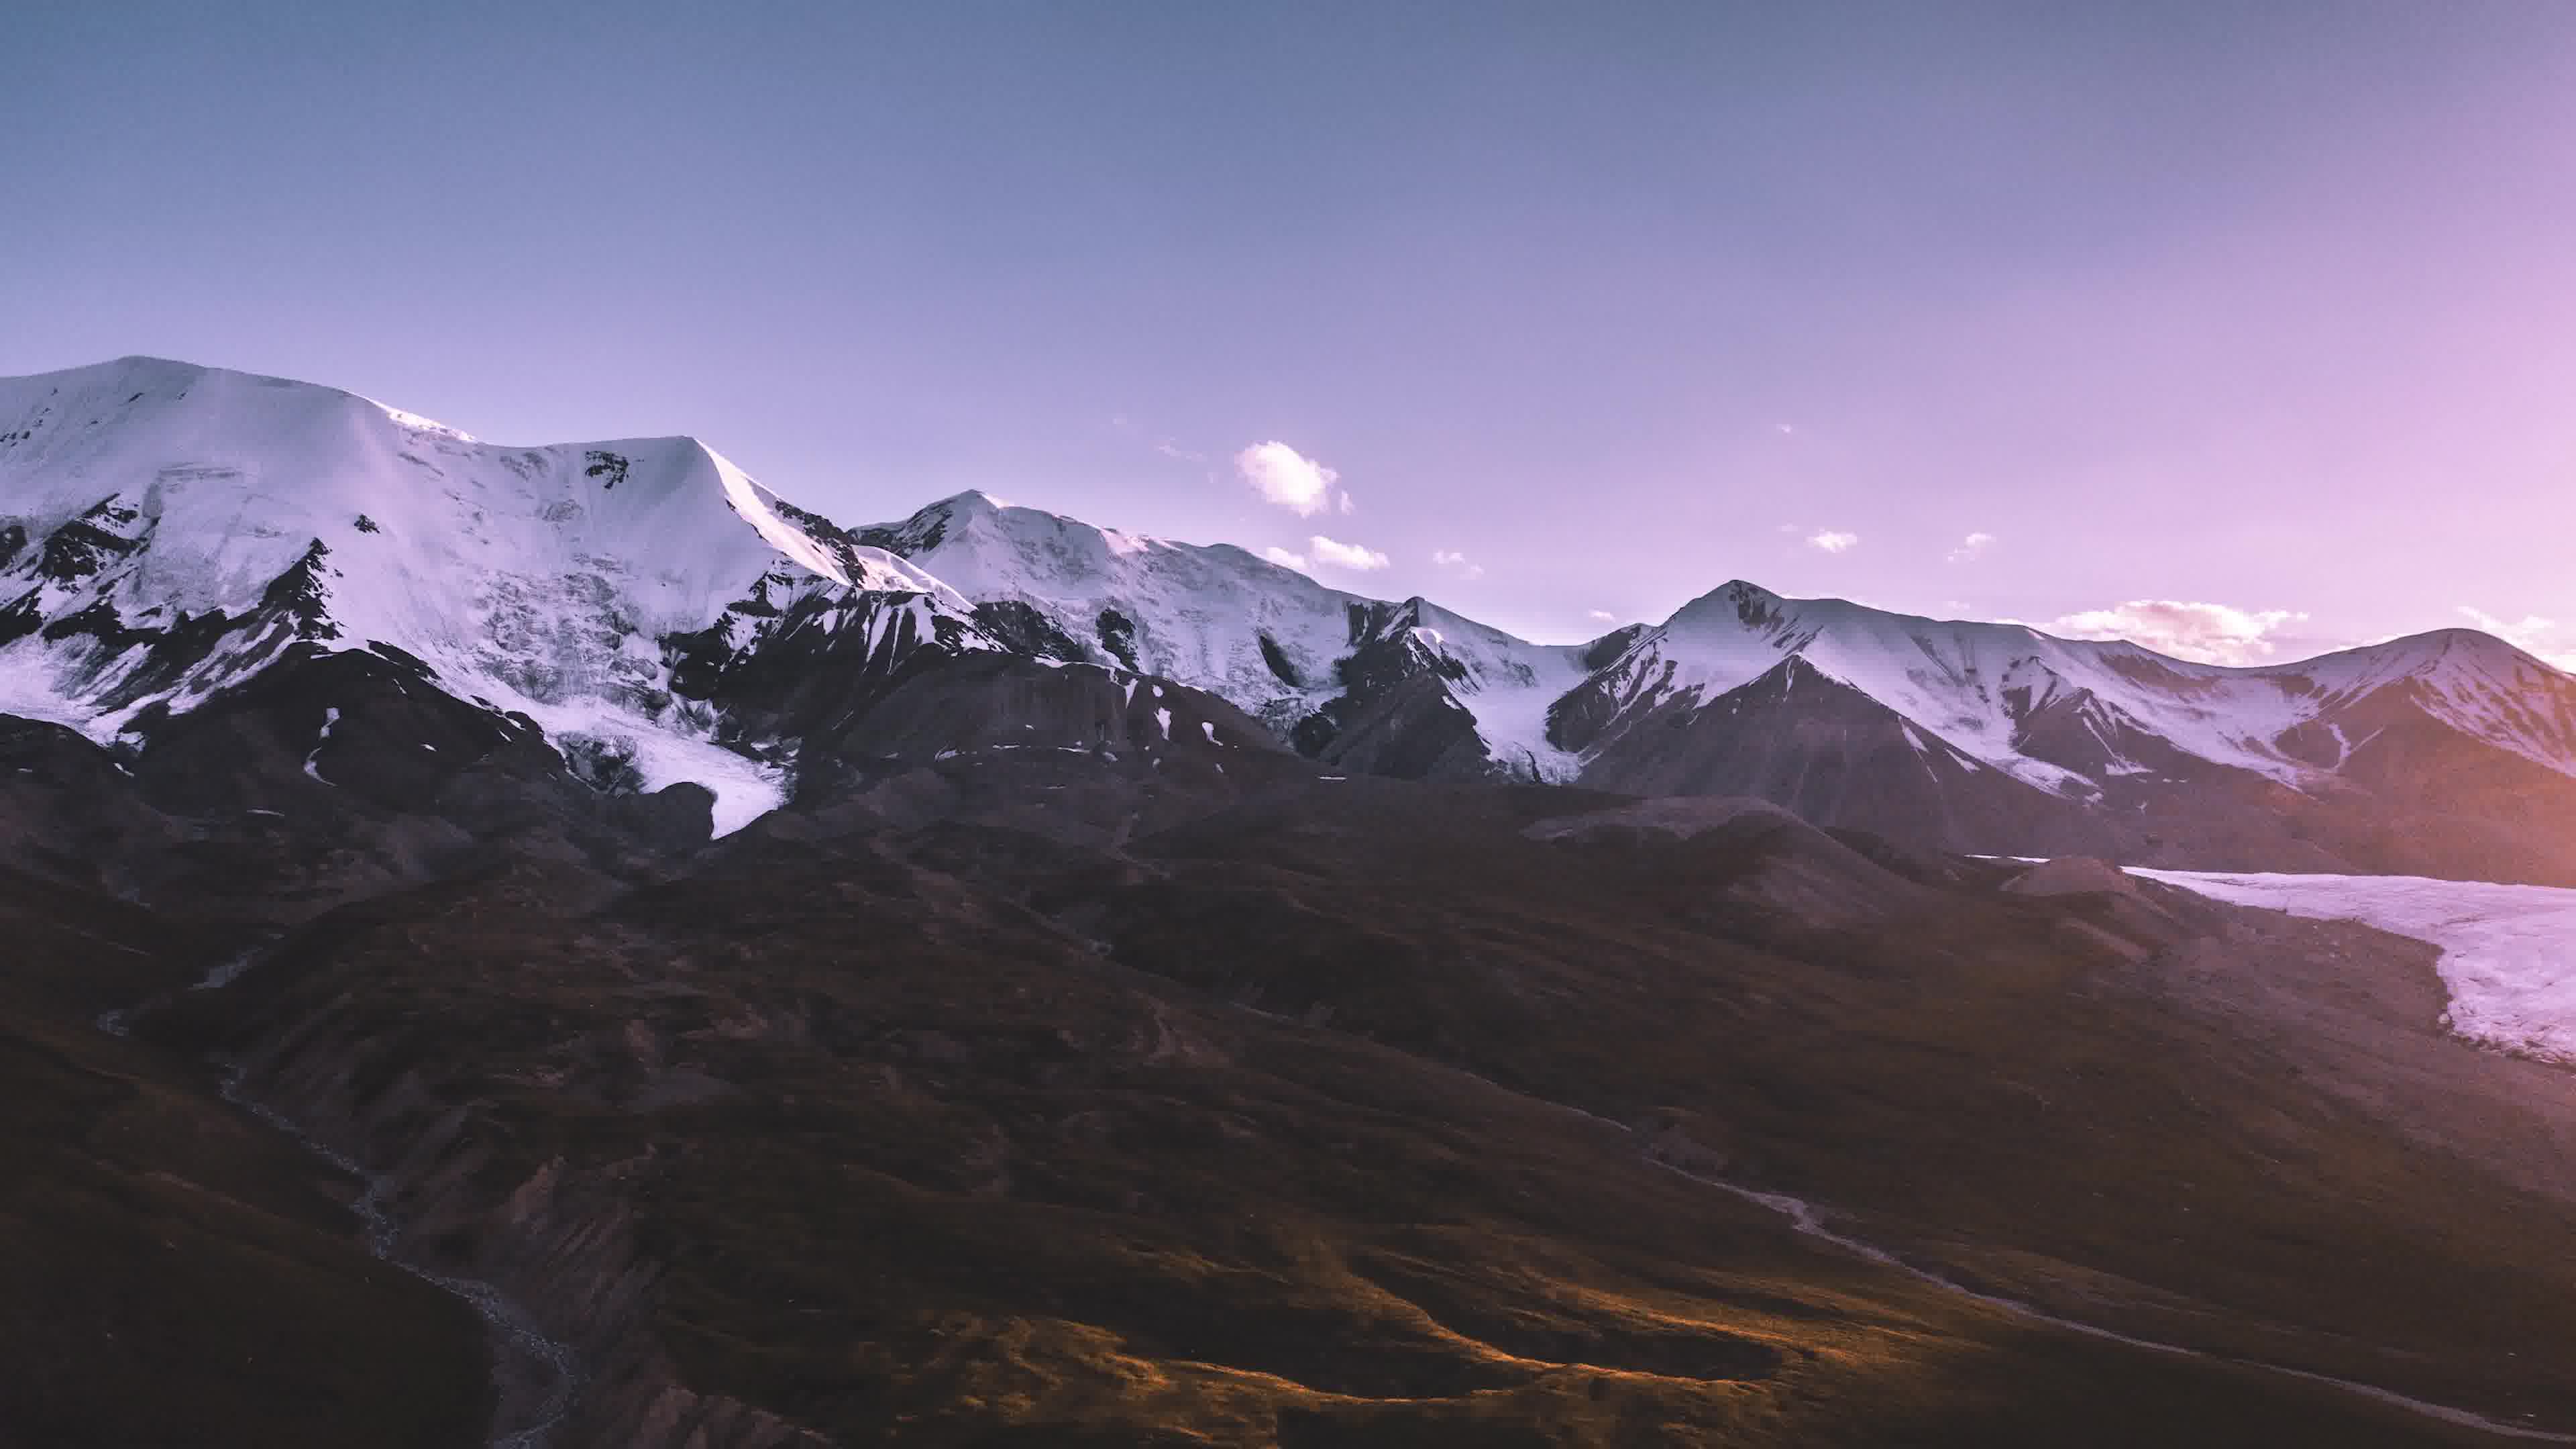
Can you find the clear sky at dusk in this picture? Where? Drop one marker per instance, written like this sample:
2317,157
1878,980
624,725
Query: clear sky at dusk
2268,306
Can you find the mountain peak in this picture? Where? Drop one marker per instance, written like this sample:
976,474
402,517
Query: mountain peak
137,363
2435,654
1733,603
969,501
2475,642
131,365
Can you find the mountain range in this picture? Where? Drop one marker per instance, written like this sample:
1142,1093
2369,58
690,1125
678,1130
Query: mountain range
563,948
168,532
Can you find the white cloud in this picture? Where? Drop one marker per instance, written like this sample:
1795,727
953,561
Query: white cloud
1604,615
1832,540
1972,548
1456,563
1170,449
1283,557
1282,475
1344,555
2209,633
2531,634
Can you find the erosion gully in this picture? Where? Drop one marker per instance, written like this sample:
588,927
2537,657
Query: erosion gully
535,1376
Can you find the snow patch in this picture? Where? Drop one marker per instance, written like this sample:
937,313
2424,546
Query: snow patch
330,719
745,788
27,690
2508,951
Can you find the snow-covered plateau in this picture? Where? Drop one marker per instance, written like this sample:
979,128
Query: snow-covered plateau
2508,951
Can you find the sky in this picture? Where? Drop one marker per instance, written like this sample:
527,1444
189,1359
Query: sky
2245,330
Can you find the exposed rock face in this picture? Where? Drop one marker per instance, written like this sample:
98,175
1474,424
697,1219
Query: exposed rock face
775,677
1410,728
1829,753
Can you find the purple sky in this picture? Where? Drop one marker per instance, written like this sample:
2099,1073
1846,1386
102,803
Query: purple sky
2264,306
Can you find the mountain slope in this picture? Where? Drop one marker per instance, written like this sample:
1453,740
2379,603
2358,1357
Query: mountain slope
1802,738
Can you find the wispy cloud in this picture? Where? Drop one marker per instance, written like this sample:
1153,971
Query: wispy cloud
1972,548
1457,563
2208,633
1602,615
2531,634
1832,540
1283,557
1170,449
1344,555
1282,475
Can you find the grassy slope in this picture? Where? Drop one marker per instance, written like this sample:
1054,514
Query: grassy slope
1971,1076
970,1182
170,1272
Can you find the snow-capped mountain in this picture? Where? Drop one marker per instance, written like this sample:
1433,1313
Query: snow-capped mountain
1319,665
2449,752
1412,689
167,529
2073,716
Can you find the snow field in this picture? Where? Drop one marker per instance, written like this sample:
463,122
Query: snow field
2508,951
